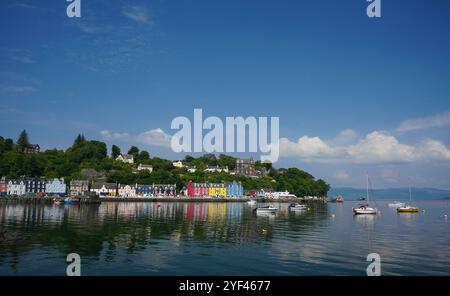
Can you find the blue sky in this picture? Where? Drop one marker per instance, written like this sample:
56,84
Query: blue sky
362,95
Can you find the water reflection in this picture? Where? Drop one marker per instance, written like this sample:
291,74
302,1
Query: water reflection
219,238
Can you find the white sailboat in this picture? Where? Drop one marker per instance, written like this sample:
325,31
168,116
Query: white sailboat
364,208
408,208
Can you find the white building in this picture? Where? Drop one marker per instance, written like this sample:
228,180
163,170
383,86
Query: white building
216,169
191,169
127,191
104,189
143,167
16,187
56,186
178,164
127,158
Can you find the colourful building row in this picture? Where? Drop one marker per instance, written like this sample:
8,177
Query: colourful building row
32,186
121,190
233,189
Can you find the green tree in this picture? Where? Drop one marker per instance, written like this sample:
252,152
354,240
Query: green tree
2,144
143,156
79,140
115,151
22,141
8,145
133,151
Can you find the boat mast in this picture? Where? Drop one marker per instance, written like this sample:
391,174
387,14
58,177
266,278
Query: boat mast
410,198
367,187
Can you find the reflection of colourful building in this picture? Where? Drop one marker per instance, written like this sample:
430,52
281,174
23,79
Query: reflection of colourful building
3,187
234,189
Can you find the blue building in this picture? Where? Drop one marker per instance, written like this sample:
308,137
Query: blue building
235,189
144,190
56,186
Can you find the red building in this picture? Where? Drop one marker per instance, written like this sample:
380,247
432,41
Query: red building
197,189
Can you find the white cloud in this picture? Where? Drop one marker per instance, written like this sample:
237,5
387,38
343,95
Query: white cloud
438,120
137,13
375,148
341,175
155,137
345,137
107,135
379,147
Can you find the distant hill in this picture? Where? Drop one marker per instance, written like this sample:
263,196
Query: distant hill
391,193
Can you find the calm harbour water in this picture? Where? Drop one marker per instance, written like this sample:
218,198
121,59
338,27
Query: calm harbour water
221,239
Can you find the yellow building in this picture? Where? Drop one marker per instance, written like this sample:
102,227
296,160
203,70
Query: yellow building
217,190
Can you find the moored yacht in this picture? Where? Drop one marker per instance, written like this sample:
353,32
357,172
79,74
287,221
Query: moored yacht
364,208
297,207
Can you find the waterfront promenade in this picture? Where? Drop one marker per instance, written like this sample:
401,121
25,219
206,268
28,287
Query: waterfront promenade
97,200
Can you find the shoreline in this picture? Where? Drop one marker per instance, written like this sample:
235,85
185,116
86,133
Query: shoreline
90,200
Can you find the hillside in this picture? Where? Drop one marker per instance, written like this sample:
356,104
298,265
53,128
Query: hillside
92,156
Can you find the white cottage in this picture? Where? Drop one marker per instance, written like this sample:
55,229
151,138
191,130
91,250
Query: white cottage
127,191
127,158
16,187
145,167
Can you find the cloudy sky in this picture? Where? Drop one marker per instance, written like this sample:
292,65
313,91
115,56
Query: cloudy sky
353,94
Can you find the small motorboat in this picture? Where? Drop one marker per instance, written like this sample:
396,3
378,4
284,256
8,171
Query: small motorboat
396,204
251,202
339,198
407,209
364,209
297,207
362,199
72,201
266,210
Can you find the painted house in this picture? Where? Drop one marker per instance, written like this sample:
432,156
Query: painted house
78,187
16,187
144,190
145,167
35,185
164,189
217,190
126,158
235,189
127,191
55,186
104,189
3,187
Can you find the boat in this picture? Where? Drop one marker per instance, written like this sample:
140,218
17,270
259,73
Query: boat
396,204
72,201
251,202
266,210
297,207
339,198
362,198
365,209
280,195
408,208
